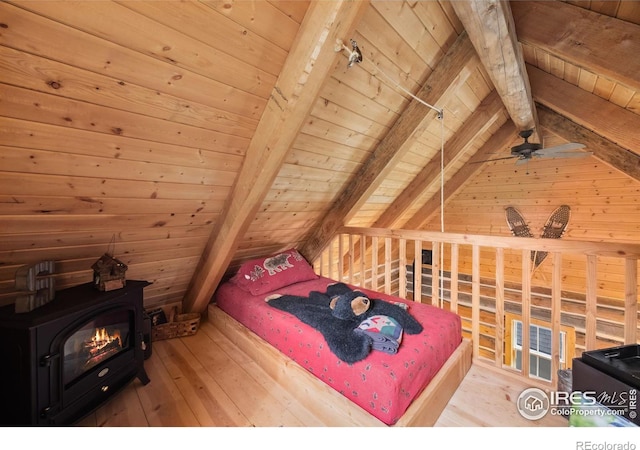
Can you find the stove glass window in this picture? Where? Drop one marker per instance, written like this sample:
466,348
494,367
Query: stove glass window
98,340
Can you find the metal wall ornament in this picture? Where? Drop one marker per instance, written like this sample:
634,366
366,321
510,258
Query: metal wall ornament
554,228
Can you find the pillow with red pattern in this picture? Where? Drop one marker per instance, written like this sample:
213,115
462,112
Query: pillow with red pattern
262,275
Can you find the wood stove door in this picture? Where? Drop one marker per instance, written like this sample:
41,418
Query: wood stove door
87,361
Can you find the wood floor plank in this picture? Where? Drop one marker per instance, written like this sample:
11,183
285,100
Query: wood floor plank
207,400
204,380
257,373
487,398
162,401
259,406
123,410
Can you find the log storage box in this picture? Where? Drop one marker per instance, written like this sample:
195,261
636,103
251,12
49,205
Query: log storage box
178,325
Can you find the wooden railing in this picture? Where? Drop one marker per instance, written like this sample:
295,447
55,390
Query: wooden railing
486,278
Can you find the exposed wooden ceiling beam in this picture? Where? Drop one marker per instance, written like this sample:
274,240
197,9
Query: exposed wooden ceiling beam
603,45
617,157
490,26
482,118
411,124
310,61
500,139
612,122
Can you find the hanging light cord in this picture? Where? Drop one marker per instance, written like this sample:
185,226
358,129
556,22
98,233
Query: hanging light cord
399,86
442,212
355,56
441,117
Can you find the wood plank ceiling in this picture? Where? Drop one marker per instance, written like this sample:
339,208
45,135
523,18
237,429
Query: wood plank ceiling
187,137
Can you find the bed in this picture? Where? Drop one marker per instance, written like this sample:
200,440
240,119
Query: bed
410,386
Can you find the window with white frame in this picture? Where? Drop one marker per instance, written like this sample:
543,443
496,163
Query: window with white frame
539,349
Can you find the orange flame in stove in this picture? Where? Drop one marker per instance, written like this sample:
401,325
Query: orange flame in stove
102,338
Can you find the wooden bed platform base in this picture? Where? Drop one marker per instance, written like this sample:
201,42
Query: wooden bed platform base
329,406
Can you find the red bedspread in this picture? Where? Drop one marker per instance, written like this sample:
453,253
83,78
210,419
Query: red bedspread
383,384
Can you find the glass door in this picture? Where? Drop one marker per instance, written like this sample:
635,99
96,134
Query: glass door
100,339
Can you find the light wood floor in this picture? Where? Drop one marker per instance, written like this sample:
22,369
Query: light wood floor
205,381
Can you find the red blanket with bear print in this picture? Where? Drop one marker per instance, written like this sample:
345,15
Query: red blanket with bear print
384,384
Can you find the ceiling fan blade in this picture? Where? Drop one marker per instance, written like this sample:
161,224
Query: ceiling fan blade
554,155
561,148
570,150
496,159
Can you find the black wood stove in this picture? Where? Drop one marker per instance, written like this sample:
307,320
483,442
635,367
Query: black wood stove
63,360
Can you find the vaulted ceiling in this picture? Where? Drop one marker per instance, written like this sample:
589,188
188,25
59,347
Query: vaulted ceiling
245,127
562,43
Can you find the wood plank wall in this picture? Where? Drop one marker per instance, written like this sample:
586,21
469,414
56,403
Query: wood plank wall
123,128
355,109
604,208
128,122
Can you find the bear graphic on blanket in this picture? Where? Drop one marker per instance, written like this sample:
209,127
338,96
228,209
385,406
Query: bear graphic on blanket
338,315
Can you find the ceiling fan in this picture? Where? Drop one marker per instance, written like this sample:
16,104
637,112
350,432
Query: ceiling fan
530,150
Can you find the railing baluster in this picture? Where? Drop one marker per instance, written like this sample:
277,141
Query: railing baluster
363,268
454,277
374,263
475,299
387,265
499,330
402,268
556,310
417,272
526,310
631,300
351,258
435,273
340,257
592,303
